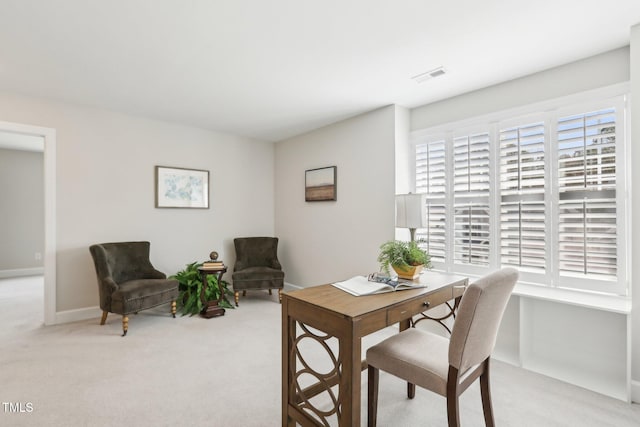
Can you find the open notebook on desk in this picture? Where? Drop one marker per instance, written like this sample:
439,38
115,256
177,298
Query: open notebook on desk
360,285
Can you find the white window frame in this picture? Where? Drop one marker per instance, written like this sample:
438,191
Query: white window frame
550,111
621,284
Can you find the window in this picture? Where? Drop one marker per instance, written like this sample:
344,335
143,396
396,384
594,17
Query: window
522,197
431,179
540,192
471,199
587,194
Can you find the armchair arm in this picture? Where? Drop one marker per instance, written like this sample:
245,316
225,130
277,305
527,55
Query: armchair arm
155,274
240,265
276,264
109,285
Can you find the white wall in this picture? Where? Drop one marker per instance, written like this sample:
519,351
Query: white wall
322,242
105,189
598,71
21,211
635,201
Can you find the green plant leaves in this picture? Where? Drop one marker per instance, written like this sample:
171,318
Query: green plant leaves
190,290
402,254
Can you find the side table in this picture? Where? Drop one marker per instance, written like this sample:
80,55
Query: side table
212,308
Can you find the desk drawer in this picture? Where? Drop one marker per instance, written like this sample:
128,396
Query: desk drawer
418,305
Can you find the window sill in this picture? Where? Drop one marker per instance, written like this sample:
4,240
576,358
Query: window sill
610,303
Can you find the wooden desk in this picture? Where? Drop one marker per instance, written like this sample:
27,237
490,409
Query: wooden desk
326,313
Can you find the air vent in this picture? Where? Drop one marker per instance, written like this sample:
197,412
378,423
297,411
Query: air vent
436,72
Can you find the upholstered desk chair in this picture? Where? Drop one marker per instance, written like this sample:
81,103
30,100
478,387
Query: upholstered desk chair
257,266
127,281
448,366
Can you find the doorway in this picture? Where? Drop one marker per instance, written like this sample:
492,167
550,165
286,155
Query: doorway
23,135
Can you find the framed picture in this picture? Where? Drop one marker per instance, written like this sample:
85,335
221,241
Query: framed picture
182,188
320,184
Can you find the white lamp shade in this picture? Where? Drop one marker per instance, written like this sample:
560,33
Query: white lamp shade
411,210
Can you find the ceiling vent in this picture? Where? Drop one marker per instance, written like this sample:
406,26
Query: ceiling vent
436,72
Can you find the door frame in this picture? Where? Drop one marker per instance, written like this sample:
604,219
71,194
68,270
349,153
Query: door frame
49,136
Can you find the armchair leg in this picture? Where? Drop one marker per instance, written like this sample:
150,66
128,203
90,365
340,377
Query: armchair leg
270,291
372,396
104,317
125,325
173,309
280,296
236,297
411,390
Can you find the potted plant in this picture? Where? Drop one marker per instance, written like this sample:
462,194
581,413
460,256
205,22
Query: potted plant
406,258
190,287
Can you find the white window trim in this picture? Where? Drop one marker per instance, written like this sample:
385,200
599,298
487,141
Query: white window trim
559,107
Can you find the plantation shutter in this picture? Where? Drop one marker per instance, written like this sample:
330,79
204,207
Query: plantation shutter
430,179
471,199
587,192
522,197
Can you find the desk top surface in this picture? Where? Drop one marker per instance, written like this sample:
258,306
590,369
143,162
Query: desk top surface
331,298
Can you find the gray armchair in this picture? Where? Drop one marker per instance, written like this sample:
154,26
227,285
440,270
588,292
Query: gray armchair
257,266
127,281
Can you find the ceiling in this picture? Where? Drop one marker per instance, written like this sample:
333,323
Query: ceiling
274,69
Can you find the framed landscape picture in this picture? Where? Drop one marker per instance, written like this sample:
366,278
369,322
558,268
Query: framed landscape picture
182,188
320,184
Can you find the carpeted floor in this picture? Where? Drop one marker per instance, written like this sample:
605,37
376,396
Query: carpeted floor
224,371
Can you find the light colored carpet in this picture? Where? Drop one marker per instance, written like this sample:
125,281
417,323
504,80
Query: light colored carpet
224,371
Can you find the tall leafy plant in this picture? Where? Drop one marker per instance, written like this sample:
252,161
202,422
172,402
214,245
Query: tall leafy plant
190,288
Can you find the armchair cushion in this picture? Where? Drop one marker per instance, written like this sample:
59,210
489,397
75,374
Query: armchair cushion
136,295
252,272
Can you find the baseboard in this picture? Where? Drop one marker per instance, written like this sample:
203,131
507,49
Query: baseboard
291,287
20,272
76,315
95,312
635,391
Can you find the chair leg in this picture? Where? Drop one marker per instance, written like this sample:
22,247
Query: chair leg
372,396
173,309
104,317
453,409
236,297
280,296
411,390
485,392
125,325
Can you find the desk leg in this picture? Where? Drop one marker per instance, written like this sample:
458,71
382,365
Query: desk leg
288,364
351,348
301,325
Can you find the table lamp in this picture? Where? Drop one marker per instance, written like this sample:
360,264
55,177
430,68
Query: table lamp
411,212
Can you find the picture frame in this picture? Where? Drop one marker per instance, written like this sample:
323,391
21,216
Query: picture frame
320,184
181,188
